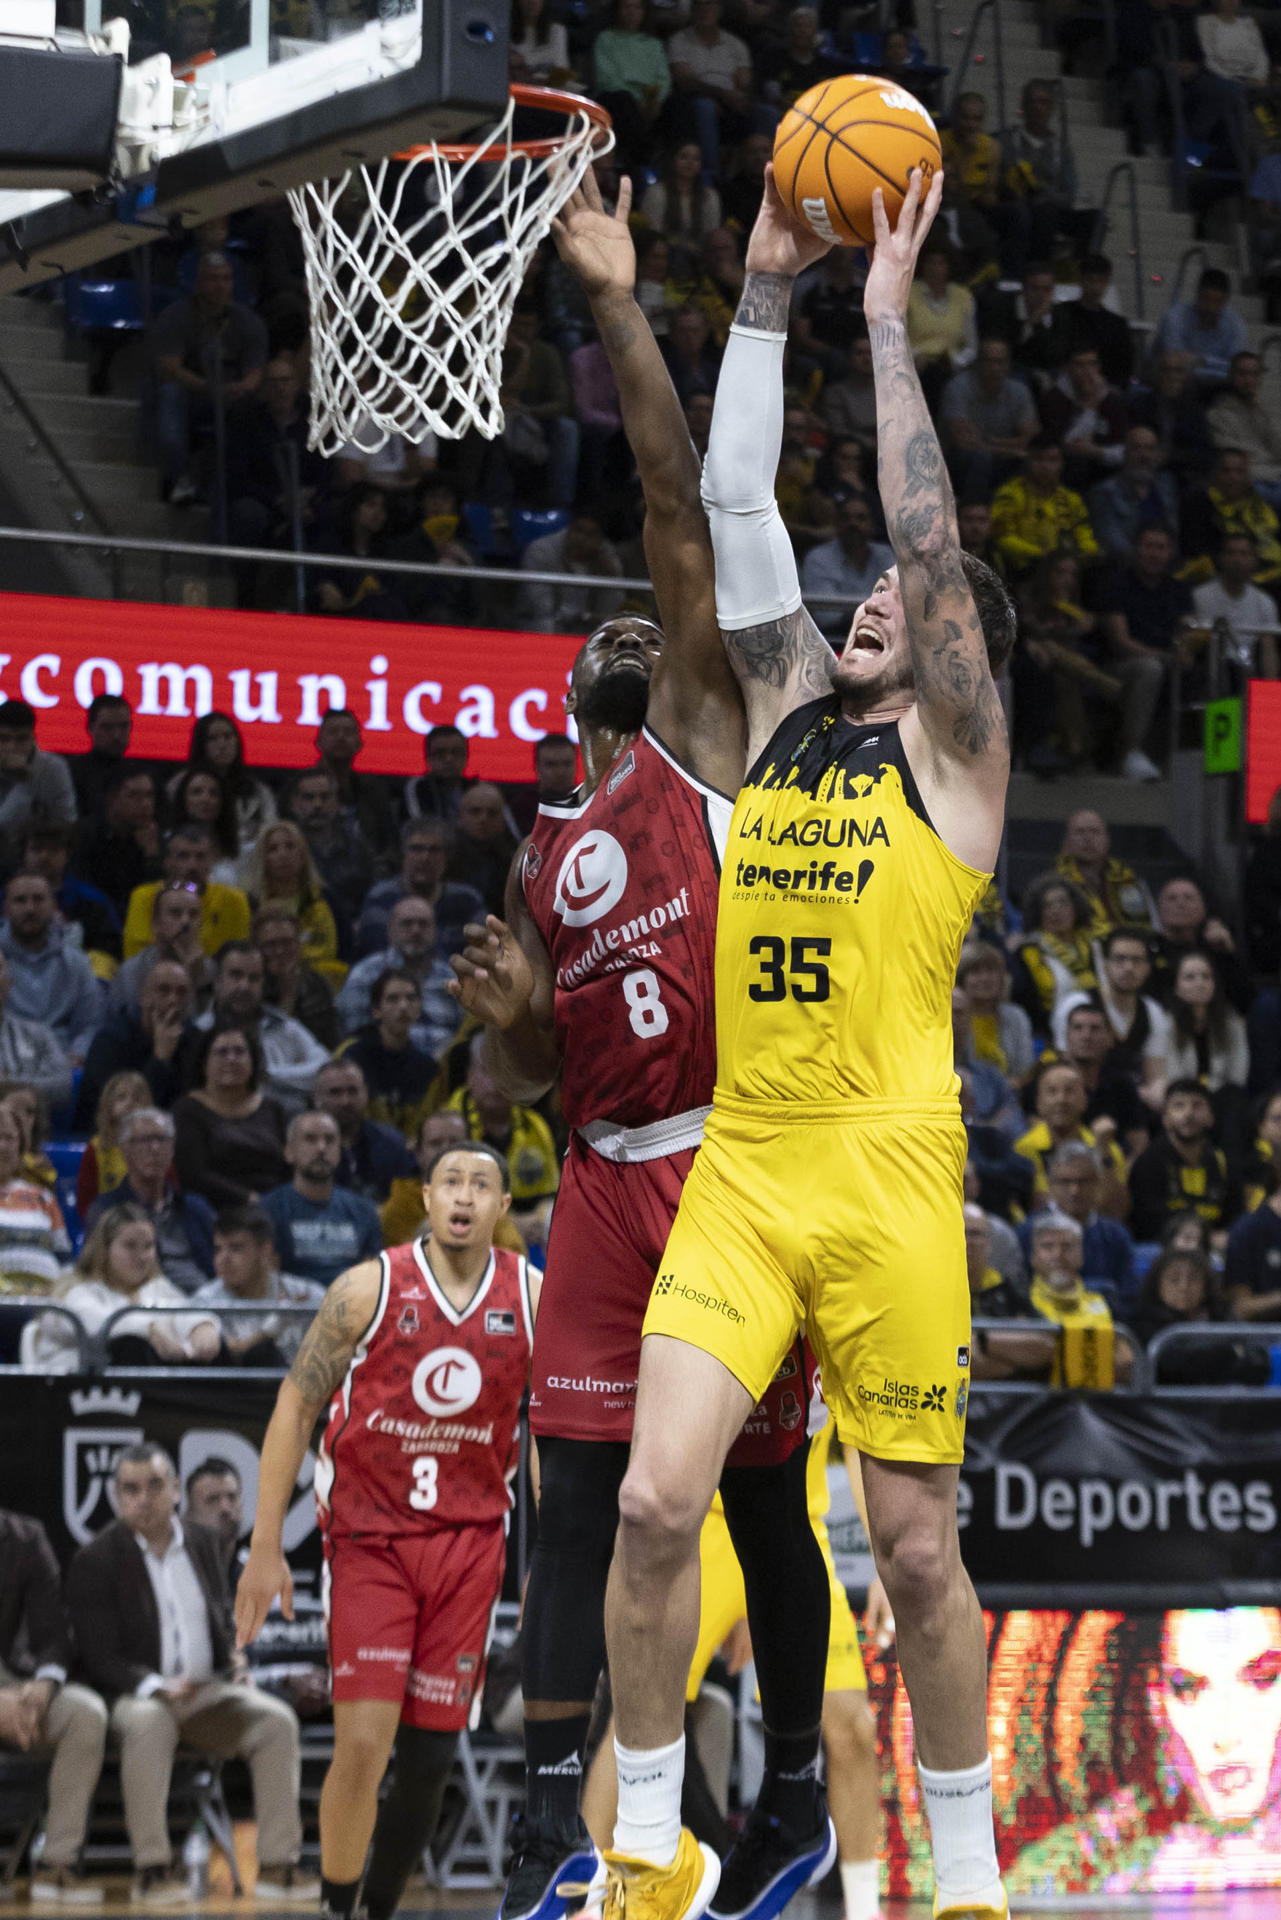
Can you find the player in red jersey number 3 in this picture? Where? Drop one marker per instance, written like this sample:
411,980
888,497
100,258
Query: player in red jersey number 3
423,1356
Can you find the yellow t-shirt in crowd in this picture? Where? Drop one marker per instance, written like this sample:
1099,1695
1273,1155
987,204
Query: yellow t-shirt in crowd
224,915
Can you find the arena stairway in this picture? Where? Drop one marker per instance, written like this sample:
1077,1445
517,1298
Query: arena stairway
99,438
1181,804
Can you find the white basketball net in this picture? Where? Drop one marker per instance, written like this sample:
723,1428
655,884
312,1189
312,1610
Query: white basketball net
413,268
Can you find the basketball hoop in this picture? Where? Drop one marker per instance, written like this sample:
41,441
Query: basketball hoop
413,267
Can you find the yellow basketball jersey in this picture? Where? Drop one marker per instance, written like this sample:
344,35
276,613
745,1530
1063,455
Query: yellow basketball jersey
840,923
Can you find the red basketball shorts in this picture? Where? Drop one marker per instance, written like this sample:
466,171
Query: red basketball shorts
409,1619
609,1227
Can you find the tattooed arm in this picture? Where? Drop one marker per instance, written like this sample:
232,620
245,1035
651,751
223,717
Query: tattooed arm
319,1369
778,654
957,704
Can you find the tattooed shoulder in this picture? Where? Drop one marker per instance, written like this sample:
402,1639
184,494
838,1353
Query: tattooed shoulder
333,1336
788,653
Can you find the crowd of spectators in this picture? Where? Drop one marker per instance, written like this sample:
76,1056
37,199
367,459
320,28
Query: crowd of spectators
1129,497
260,1081
252,1032
232,987
1116,1050
241,1008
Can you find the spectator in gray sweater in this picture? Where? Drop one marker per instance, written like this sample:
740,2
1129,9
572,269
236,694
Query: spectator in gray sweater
29,1050
35,787
52,978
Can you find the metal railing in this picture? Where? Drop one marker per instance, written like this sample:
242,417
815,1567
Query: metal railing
1124,171
1221,1333
1198,252
93,1349
1140,1372
936,23
18,1311
419,569
86,507
270,1313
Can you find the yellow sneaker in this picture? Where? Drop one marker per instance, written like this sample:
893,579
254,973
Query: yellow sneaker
638,1890
968,1910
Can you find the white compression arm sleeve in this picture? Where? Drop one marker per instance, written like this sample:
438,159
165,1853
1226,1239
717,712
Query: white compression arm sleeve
756,577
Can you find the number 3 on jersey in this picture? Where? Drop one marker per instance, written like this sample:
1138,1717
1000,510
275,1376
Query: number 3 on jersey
425,1489
645,1007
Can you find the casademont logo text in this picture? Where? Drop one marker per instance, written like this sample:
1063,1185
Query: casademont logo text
624,938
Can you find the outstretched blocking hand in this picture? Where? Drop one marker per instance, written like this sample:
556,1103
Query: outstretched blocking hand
495,981
894,257
597,246
778,242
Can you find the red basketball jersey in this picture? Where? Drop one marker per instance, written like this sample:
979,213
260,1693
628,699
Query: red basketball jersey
423,1432
623,890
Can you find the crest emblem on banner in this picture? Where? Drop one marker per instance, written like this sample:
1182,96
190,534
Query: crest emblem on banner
89,1456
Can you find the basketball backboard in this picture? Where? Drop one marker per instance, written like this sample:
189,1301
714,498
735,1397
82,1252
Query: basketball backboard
267,94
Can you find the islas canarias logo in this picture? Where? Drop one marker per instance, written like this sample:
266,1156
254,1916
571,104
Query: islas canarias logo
446,1382
592,879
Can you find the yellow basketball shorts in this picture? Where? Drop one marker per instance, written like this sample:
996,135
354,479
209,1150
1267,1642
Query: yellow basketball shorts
847,1221
724,1604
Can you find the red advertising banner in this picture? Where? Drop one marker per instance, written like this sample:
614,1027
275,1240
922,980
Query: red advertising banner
1262,748
276,673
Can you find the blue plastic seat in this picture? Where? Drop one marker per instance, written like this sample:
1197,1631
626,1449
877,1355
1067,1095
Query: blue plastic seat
111,306
531,523
65,1157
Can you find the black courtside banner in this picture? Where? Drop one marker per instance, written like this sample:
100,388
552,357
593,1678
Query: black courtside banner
1065,1499
1087,1495
66,1435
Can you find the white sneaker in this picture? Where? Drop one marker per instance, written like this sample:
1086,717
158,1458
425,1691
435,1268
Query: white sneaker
66,1887
1137,766
287,1884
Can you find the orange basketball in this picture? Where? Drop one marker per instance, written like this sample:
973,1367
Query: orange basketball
840,142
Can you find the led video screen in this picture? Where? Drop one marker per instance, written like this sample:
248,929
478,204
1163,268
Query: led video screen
1131,1753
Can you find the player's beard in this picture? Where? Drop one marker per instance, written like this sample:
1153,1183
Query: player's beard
866,691
617,702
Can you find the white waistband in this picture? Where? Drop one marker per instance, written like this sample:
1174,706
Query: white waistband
678,1133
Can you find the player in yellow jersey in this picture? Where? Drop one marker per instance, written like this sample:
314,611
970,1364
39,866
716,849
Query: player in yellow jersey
828,1190
849,1730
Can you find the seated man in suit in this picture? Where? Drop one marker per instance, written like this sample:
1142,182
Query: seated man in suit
39,1712
152,1615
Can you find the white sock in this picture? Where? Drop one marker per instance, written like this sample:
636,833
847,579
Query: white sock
649,1801
960,1808
861,1885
